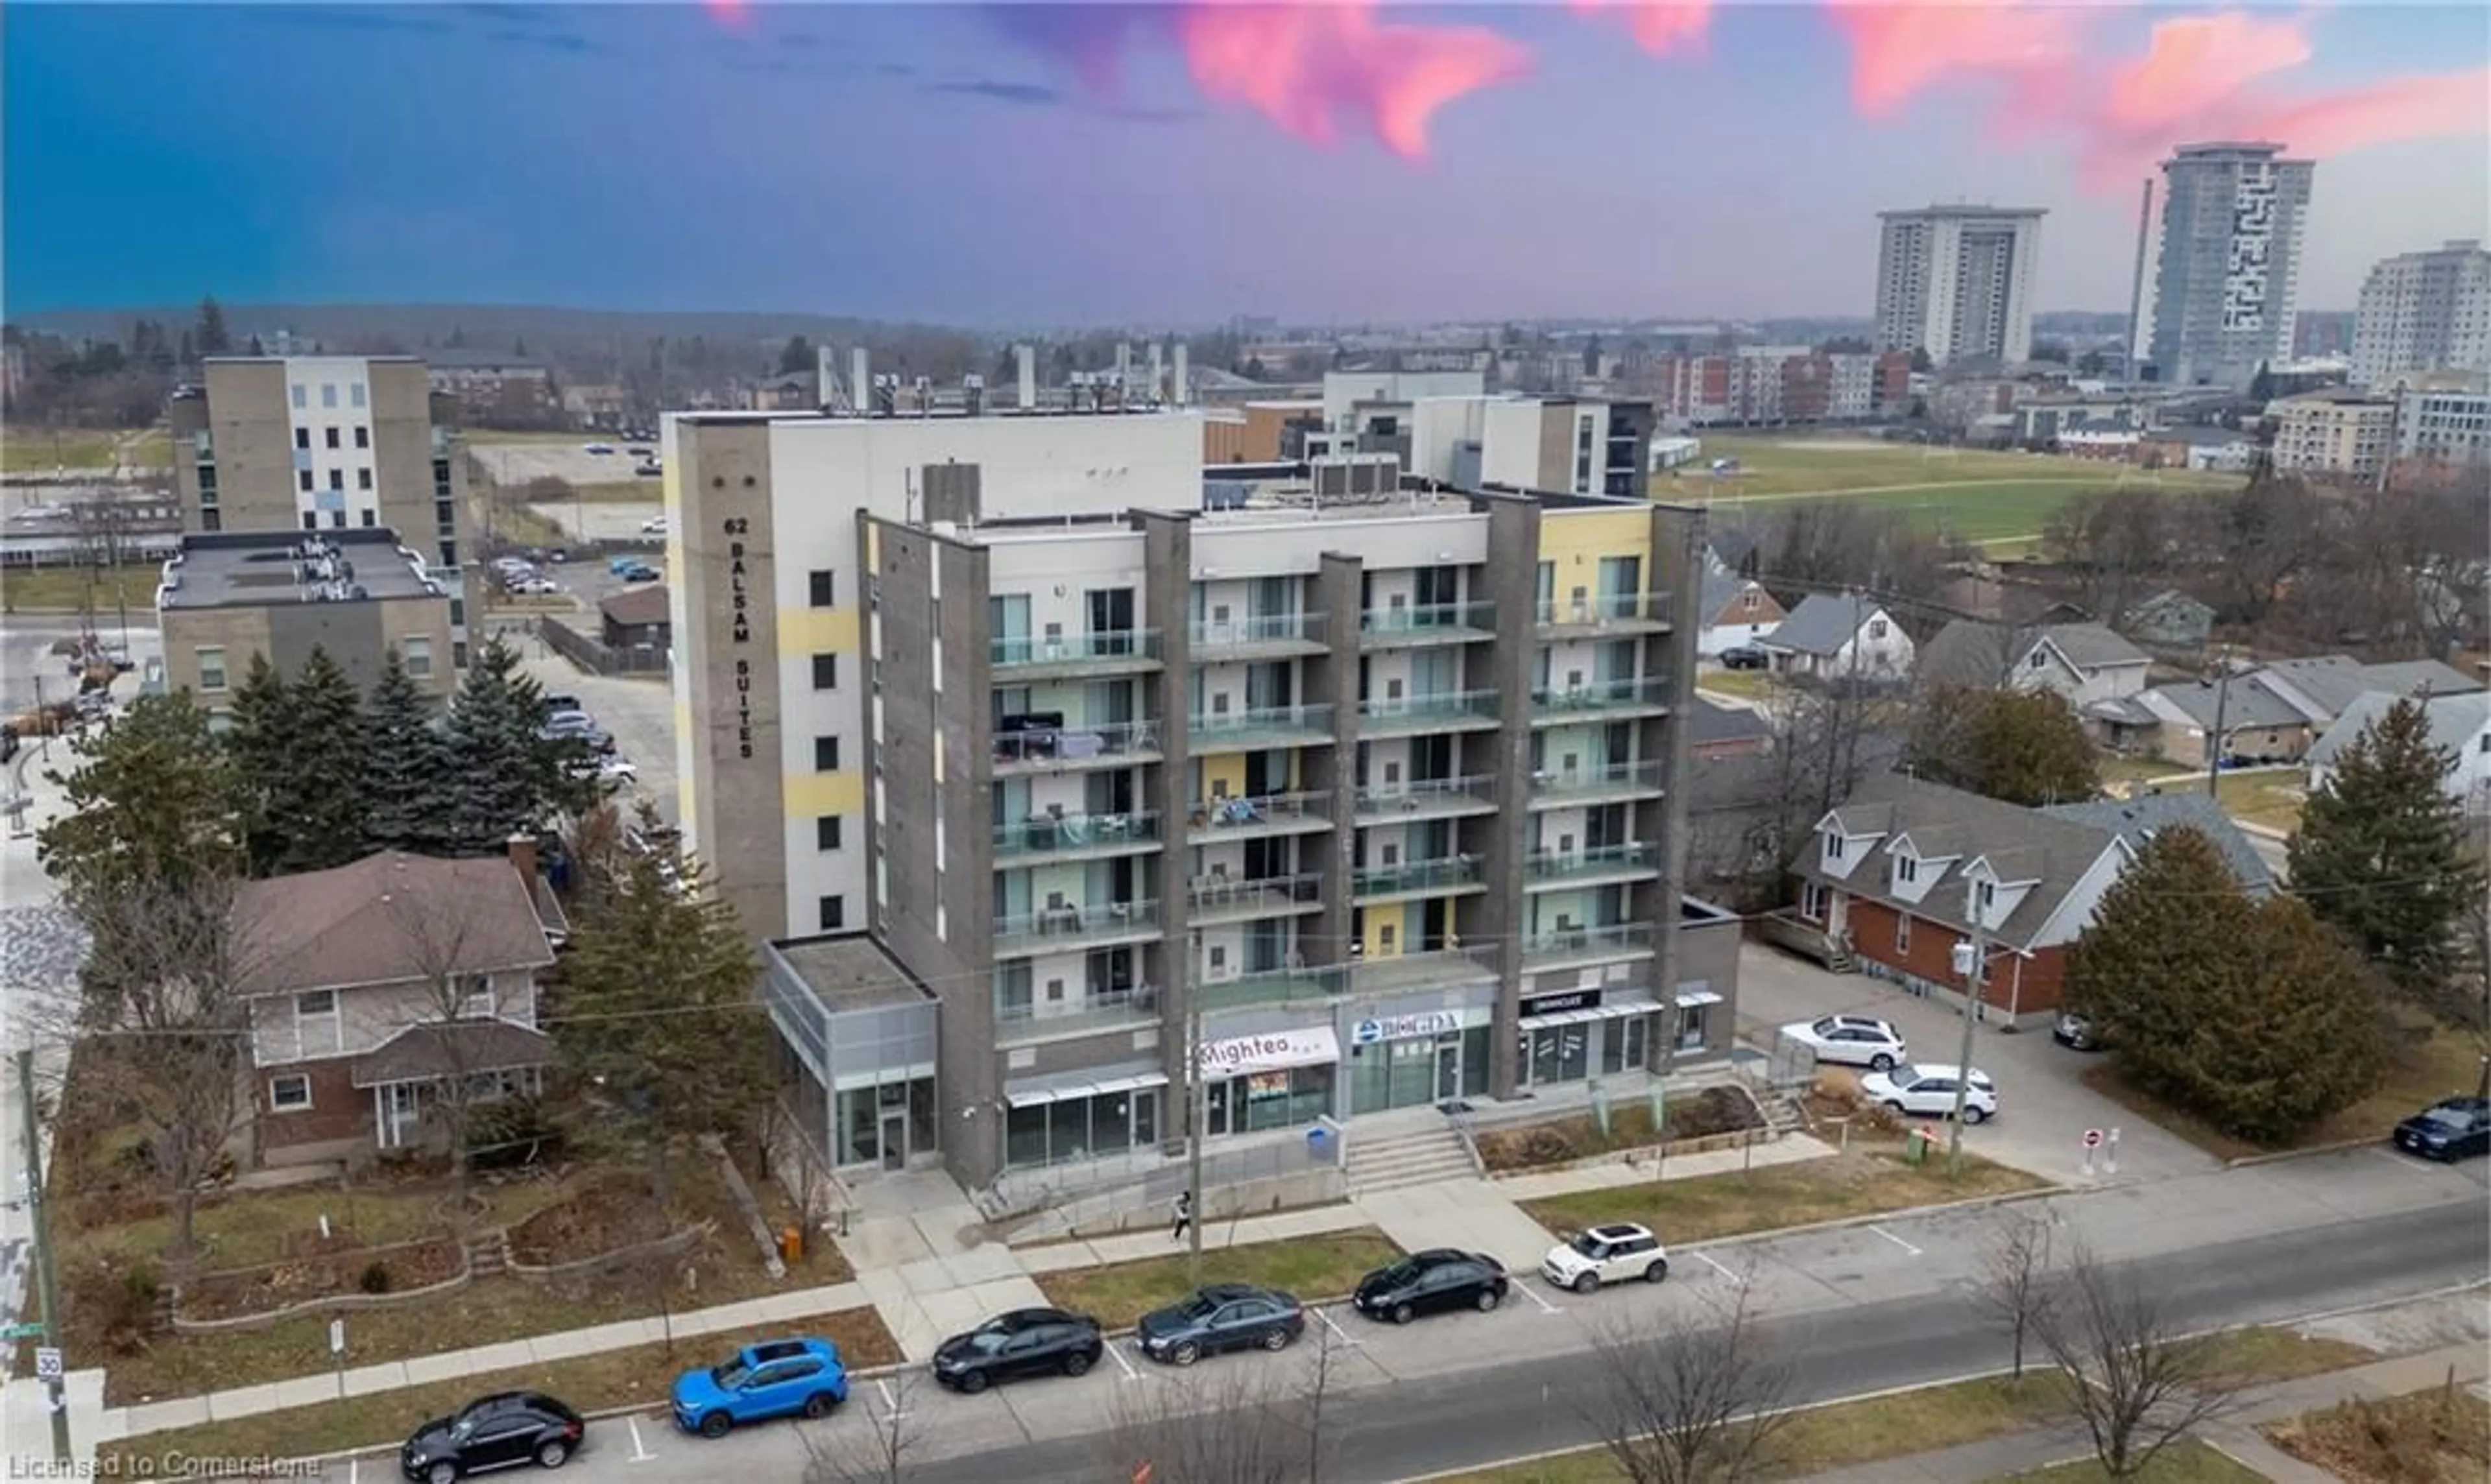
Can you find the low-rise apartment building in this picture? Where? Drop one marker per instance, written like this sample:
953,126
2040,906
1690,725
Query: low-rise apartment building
2338,431
356,593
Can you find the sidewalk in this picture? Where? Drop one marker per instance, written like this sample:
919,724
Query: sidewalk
1999,1457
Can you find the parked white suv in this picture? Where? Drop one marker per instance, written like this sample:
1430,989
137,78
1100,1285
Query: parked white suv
1852,1040
1606,1254
1929,1092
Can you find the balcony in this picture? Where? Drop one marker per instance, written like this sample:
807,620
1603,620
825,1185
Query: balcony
1419,878
1424,798
1436,711
1440,969
1069,928
1100,1010
1245,819
1020,660
1217,898
1587,944
1259,636
1036,749
1262,726
1076,837
1543,868
1600,612
1608,783
1605,699
1426,623
1278,986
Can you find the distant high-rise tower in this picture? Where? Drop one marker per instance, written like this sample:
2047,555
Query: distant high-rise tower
2228,278
1957,280
2424,312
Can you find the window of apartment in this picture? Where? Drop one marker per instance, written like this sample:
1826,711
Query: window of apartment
1903,933
2036,659
363,479
303,438
212,669
825,754
362,435
418,658
457,611
476,997
1812,901
826,831
1907,868
328,394
337,478
1752,600
834,913
1876,629
289,1094
826,672
311,518
1985,896
211,519
371,517
333,437
302,397
824,587
358,390
318,1029
1833,846
338,520
303,479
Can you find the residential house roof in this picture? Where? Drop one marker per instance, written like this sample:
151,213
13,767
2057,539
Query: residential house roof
635,607
2018,844
2241,703
1970,652
2172,599
2325,686
2454,721
1712,723
2140,819
2198,435
385,920
1720,590
1823,622
453,1048
1730,547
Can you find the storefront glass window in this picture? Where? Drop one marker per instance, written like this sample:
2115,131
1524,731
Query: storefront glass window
1690,1028
1621,1044
1025,1136
1068,1129
1475,1059
1281,1099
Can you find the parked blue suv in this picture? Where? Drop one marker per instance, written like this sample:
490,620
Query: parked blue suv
781,1378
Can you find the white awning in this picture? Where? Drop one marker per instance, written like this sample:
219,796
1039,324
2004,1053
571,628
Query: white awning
1617,1008
1039,1092
1689,998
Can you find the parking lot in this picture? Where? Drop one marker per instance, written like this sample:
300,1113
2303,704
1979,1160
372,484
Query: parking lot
639,713
515,465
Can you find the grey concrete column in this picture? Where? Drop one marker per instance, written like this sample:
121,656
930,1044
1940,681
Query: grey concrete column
1167,605
1678,542
1512,575
1332,679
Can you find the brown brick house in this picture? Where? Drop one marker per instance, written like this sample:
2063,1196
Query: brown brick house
371,983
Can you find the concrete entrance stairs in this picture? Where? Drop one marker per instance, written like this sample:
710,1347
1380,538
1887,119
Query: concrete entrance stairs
1419,1156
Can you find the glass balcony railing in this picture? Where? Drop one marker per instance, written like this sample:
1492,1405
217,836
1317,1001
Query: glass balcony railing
1417,876
1072,742
1019,652
1605,608
1281,811
1423,793
1434,706
1233,897
1608,778
1100,1010
1605,695
1423,621
1550,865
1047,834
1068,927
1425,969
1277,986
1212,730
1572,942
1213,637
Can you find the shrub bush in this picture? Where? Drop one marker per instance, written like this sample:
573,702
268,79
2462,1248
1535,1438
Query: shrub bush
375,1279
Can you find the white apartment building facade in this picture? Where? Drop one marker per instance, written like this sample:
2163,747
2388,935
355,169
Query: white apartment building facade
2448,424
2227,279
2336,431
2423,312
1957,280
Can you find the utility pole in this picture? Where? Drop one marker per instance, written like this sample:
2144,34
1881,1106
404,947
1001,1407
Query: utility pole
1198,1095
2215,743
1973,963
46,1297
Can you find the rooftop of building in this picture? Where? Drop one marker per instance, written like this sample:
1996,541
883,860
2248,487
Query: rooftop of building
850,972
259,569
276,360
1280,496
1964,209
2341,397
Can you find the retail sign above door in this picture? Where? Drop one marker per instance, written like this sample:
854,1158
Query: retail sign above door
1407,1028
1276,1052
1558,1004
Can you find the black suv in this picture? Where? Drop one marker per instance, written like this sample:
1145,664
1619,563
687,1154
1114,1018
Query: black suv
1744,657
1020,1344
493,1433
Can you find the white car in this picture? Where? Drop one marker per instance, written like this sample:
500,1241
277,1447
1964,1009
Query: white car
1851,1040
1606,1254
596,448
1929,1092
536,586
615,770
657,527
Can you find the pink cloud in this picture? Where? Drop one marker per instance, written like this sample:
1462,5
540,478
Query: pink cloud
1657,26
1306,68
1900,51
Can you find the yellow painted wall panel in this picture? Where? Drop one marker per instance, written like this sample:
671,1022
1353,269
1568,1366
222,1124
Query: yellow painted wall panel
811,795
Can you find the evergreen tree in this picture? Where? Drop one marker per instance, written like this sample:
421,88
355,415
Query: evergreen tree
2383,857
2245,1013
259,742
659,1010
505,777
2024,746
150,805
257,348
406,784
213,339
797,358
321,809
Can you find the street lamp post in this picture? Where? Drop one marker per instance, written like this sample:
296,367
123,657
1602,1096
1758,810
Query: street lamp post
1971,962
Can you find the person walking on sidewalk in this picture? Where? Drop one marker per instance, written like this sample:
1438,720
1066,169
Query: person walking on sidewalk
1184,1215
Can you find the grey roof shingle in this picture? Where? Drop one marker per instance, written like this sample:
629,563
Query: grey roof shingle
2248,705
1710,721
2139,819
2333,682
1720,590
386,918
2454,721
2020,844
1969,651
1823,622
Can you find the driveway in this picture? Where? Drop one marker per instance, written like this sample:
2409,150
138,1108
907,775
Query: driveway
2045,1108
641,713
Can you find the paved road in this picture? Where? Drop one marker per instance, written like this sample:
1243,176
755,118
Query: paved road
1861,1308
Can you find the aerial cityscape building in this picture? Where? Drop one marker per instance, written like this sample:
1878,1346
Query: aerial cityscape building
2424,312
2227,277
1958,281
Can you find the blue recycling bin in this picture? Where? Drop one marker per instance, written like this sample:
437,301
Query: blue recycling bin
1319,1143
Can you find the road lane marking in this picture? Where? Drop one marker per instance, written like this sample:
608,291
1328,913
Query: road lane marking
890,1409
353,1470
1533,1293
1334,1325
1123,1364
1707,1258
640,1453
1896,1240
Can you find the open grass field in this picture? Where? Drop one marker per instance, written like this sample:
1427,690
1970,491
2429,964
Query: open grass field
1869,1179
1998,498
82,450
66,589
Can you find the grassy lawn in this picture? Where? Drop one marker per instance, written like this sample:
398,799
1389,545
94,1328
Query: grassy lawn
514,522
479,436
42,449
2434,1437
636,1377
2141,770
633,491
1562,1141
66,588
1311,1267
1848,1434
2433,1063
1746,685
2185,1462
1866,1181
2268,796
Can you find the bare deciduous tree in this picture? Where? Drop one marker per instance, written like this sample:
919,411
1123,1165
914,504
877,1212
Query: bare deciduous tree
2014,1283
456,1002
2130,1376
1236,1424
1693,1399
878,1453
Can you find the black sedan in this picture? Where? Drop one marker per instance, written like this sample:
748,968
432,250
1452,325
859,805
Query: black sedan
2455,1129
1020,1344
493,1433
1435,1281
1221,1316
